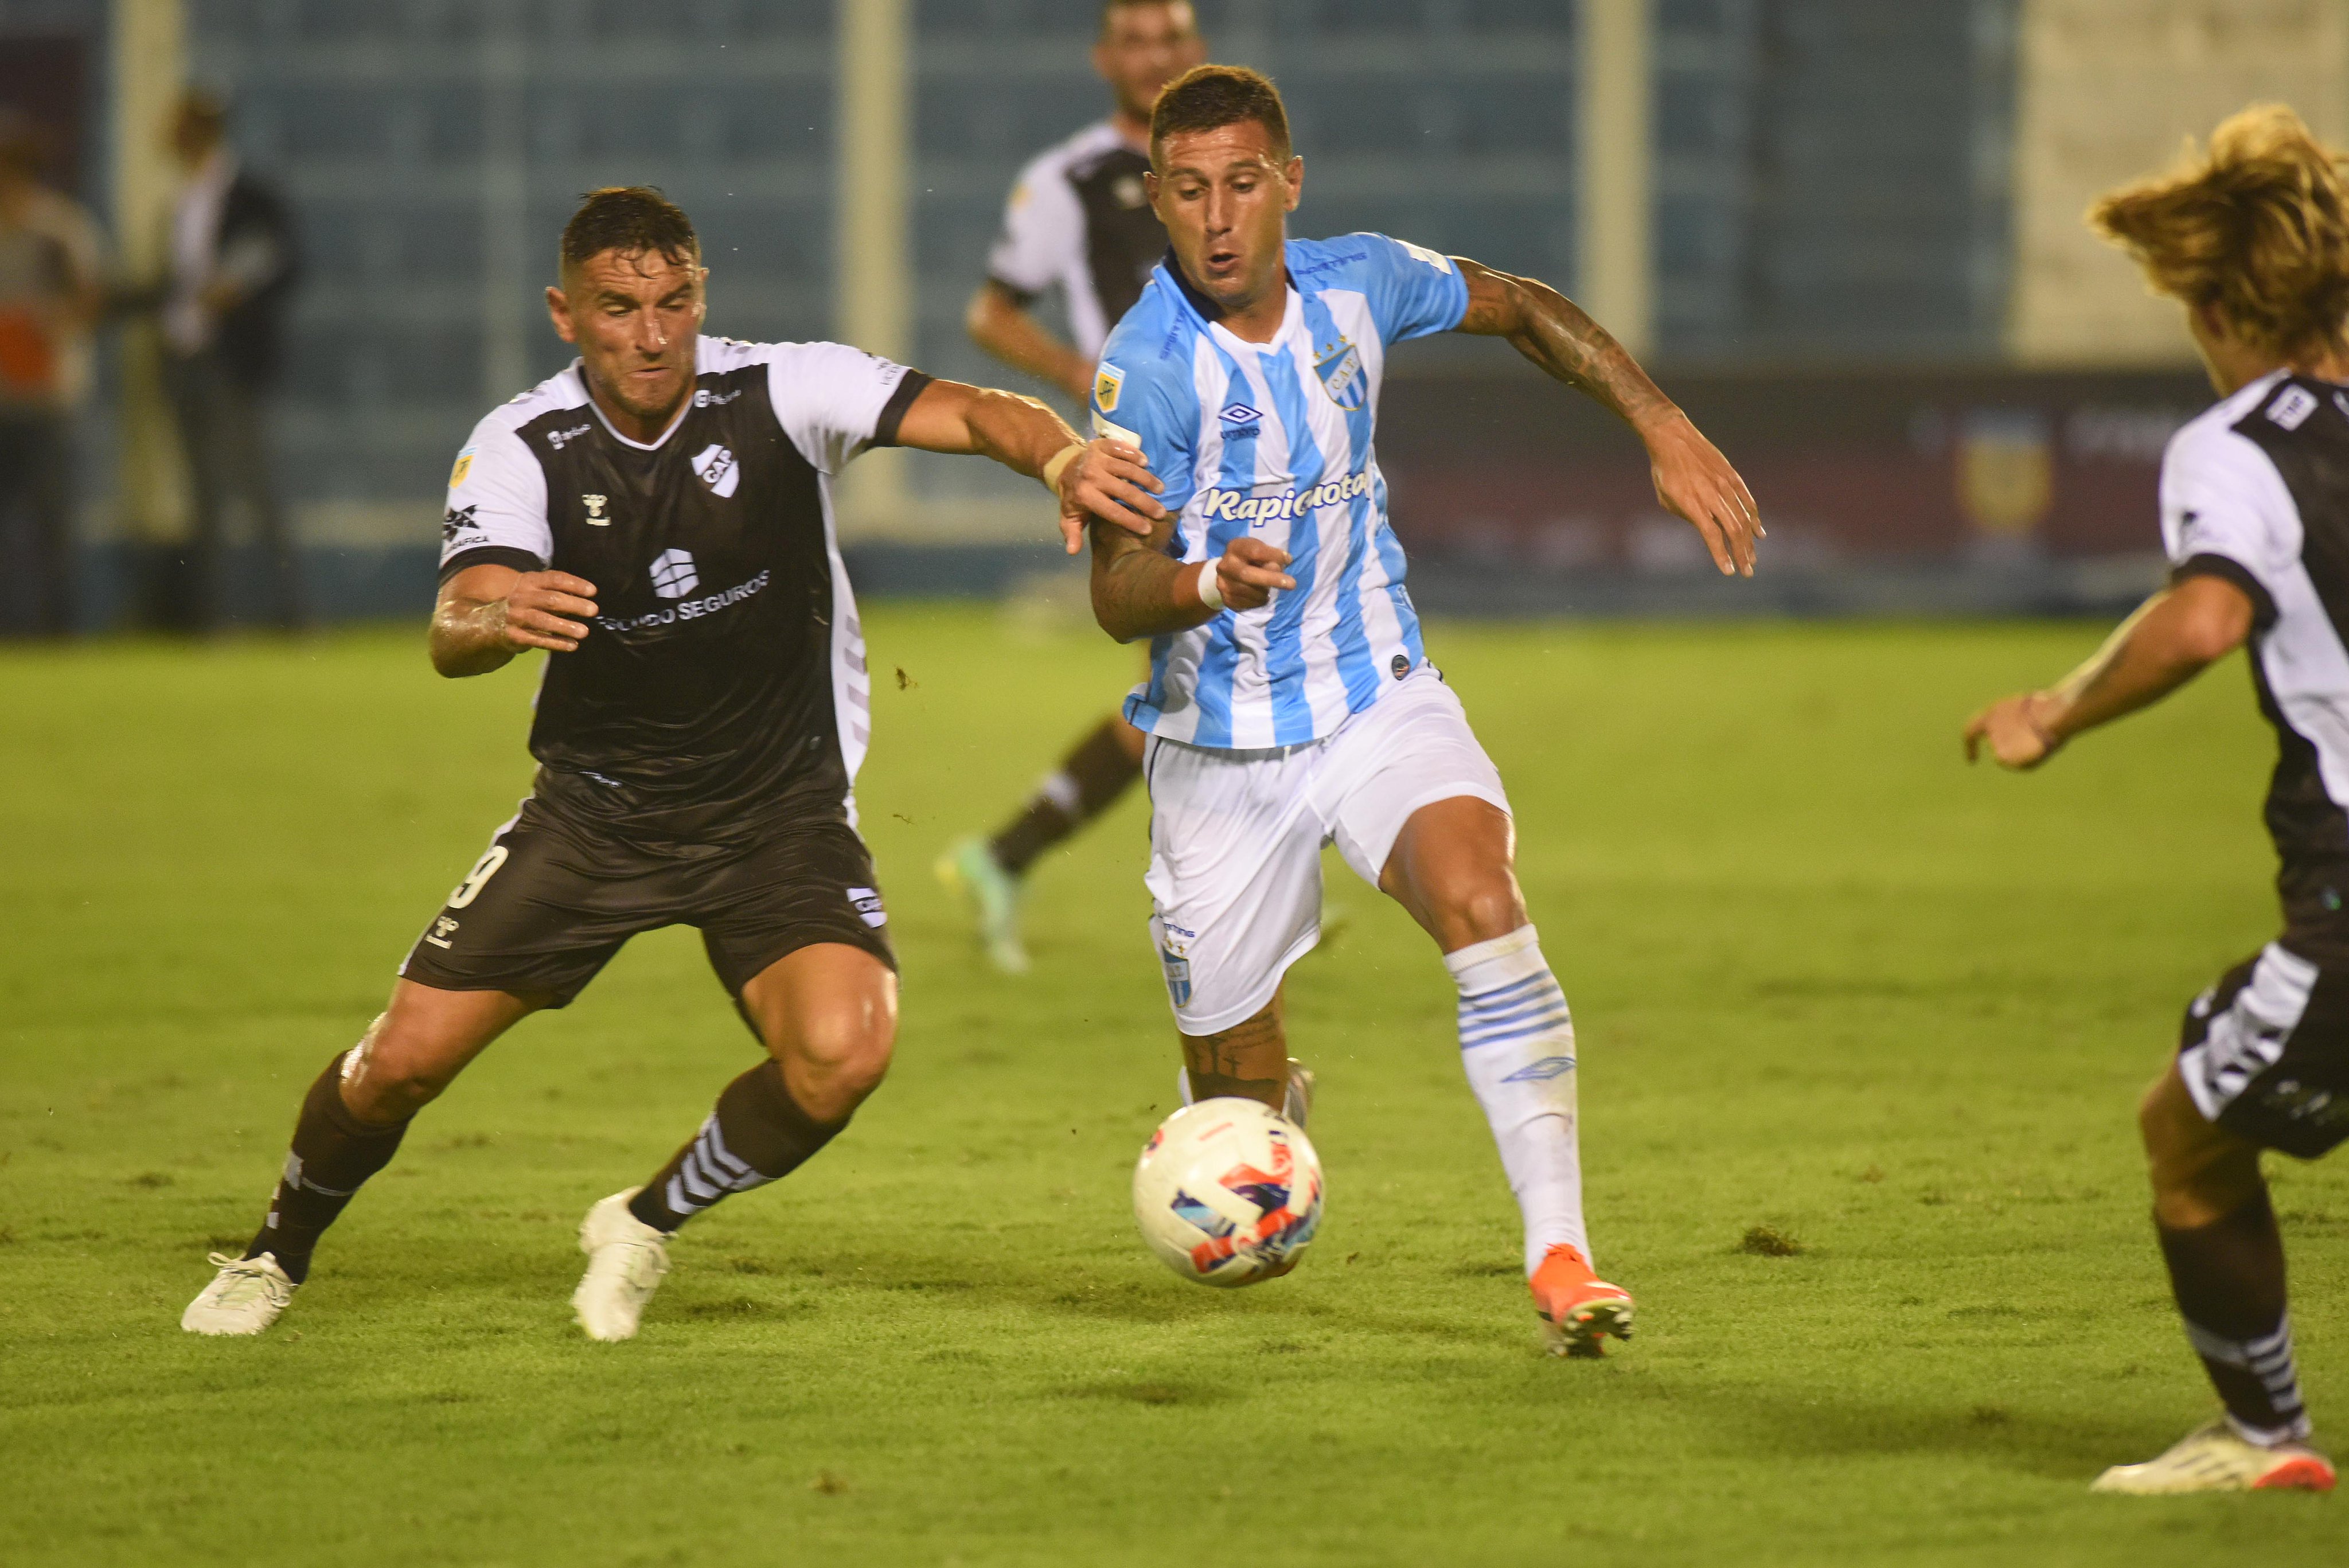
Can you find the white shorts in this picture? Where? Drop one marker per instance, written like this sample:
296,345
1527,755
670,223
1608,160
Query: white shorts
1235,839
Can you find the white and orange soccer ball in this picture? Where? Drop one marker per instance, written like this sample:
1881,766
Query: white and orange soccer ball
1228,1192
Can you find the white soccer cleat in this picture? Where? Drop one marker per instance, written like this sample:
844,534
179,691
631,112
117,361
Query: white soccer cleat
2214,1457
970,868
245,1297
626,1261
1297,1100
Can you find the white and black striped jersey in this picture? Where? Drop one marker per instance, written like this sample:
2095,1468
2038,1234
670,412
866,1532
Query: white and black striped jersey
1079,220
2256,491
722,685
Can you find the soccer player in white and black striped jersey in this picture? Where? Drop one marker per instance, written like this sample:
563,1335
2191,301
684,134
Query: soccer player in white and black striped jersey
657,518
1078,223
2254,239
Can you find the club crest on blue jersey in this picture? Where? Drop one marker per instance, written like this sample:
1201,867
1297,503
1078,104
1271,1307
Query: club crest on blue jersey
1178,975
1339,366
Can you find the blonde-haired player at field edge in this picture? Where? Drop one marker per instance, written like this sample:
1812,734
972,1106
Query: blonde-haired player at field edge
1289,702
658,519
1078,221
2254,239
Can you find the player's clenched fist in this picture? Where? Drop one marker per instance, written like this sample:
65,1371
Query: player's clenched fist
1244,577
2016,730
546,609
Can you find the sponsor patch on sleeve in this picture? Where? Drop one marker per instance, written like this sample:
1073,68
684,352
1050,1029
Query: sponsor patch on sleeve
1104,427
1435,259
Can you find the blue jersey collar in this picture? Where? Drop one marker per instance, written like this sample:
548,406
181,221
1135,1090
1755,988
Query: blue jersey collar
1207,309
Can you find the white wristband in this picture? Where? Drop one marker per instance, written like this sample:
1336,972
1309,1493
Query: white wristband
1211,592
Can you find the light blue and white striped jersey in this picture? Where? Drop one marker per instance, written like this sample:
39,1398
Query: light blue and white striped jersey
1274,439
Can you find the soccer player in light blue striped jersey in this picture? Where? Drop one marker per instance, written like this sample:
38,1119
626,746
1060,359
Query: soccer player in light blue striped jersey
1291,701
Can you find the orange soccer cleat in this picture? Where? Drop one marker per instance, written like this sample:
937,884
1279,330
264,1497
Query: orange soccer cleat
1577,1308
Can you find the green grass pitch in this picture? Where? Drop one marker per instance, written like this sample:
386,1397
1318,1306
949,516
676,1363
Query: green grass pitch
1829,982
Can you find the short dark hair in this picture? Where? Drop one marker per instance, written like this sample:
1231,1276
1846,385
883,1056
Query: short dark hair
1207,98
1111,7
632,219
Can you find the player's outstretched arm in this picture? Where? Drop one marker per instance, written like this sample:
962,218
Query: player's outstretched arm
2171,638
998,323
1105,479
1691,475
487,613
1139,590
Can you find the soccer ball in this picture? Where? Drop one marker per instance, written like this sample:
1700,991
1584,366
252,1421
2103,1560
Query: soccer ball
1228,1192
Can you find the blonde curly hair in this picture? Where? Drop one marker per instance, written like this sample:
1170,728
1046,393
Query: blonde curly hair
2257,228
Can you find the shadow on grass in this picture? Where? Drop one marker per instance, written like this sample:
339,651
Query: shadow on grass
1764,1425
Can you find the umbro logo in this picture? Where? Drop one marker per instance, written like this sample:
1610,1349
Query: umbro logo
1541,1072
558,439
1237,414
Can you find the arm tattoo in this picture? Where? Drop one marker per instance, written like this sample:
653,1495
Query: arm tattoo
1558,335
1133,584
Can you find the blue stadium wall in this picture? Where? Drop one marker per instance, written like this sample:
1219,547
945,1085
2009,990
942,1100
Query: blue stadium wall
1830,202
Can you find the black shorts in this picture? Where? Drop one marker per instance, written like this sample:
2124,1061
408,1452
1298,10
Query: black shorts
2265,1051
553,899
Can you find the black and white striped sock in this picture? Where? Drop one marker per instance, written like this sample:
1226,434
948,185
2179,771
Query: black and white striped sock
332,1153
2228,1279
2258,1380
757,1135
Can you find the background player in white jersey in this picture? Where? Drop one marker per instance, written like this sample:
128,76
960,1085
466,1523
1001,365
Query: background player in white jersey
2254,239
1290,702
1080,224
659,518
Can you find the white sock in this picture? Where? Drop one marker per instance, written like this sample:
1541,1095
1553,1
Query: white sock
1516,1041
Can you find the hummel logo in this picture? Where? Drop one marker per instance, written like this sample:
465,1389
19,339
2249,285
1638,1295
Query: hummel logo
1237,414
595,504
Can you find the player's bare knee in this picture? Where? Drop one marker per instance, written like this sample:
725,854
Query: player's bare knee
839,1054
1474,909
392,1084
2157,1122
